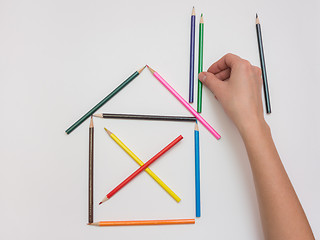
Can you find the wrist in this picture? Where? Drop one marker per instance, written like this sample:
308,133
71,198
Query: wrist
252,127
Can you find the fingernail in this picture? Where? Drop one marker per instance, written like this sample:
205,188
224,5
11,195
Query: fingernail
202,77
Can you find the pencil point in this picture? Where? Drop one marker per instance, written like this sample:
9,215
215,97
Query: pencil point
257,19
98,115
139,71
103,200
91,123
201,19
193,11
196,127
151,70
109,132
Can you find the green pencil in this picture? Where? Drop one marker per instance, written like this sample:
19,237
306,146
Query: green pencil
103,101
200,64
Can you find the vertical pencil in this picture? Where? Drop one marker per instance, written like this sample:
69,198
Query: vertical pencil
90,187
197,170
200,64
142,168
103,101
192,46
263,66
148,170
184,103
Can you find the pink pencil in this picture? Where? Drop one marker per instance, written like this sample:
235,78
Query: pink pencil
184,103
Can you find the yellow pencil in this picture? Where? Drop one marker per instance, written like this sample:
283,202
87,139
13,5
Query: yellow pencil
148,170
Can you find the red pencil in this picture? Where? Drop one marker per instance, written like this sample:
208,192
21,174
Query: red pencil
141,169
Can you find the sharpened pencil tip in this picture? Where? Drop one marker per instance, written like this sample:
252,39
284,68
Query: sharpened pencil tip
139,71
100,203
151,70
91,123
109,132
256,15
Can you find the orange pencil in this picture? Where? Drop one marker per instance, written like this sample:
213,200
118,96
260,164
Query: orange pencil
143,222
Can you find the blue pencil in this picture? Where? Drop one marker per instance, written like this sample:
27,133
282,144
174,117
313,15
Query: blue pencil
197,170
192,46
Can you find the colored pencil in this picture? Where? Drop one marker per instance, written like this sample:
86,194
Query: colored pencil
103,101
192,46
145,117
200,64
142,168
143,222
90,185
148,170
184,103
263,66
197,170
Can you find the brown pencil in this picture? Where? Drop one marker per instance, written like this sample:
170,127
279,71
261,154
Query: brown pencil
143,222
90,187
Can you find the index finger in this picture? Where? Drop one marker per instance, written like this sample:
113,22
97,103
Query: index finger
227,61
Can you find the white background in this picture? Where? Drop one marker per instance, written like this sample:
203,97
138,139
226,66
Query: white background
59,58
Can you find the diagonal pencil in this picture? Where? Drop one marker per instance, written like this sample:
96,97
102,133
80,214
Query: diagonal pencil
148,170
103,101
142,168
184,103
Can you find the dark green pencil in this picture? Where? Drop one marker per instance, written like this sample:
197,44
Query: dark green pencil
200,64
263,66
103,101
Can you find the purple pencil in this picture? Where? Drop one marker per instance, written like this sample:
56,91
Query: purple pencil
192,44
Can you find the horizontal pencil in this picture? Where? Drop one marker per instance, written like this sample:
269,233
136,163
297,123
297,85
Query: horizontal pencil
263,66
103,101
148,170
184,103
142,168
146,117
143,222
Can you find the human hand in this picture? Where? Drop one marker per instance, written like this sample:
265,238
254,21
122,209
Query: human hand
237,86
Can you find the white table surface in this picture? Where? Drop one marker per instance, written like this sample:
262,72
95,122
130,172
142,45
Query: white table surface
59,58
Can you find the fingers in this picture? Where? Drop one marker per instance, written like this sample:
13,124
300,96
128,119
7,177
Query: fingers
224,75
212,82
227,61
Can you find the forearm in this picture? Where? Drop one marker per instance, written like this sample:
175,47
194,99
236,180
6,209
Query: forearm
281,213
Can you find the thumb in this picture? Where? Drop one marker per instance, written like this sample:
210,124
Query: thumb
212,82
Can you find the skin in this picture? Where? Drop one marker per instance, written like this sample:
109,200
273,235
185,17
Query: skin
237,84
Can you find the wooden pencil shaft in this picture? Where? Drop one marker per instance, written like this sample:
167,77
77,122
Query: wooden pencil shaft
102,102
200,66
147,222
90,185
149,117
192,50
263,69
